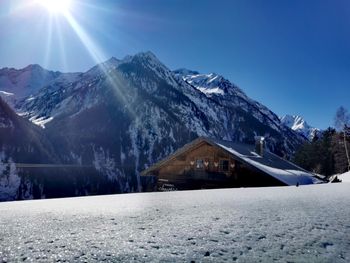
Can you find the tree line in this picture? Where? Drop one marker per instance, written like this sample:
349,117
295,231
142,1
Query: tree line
328,153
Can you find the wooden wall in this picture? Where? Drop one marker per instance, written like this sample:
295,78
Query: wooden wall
185,165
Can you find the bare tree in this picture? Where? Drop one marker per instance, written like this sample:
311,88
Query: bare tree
341,122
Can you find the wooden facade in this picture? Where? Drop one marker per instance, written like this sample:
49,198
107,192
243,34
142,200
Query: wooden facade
202,165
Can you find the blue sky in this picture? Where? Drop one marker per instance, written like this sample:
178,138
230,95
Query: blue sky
292,56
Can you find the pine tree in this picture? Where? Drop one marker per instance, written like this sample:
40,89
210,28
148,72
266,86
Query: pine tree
318,156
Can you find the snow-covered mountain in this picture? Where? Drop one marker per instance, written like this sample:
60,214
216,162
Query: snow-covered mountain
121,116
299,125
224,92
16,84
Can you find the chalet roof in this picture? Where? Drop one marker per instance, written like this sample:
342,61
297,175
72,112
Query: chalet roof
269,163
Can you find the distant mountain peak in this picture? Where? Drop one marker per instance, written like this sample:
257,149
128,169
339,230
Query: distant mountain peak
295,122
33,67
110,63
147,54
298,124
113,60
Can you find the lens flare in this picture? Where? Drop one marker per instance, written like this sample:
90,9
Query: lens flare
56,6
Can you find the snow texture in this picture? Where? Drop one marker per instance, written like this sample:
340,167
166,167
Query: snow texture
9,179
345,177
282,224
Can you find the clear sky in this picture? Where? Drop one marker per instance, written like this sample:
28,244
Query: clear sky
291,55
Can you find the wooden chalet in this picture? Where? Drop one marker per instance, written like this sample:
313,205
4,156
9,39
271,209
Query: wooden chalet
210,163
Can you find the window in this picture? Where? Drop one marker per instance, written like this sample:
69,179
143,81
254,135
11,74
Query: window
199,164
223,165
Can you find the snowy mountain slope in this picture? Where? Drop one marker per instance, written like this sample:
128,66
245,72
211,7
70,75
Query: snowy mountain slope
299,125
22,83
223,91
123,115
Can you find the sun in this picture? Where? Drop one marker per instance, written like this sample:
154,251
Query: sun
56,6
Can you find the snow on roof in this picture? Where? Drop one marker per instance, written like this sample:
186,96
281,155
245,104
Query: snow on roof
345,177
269,163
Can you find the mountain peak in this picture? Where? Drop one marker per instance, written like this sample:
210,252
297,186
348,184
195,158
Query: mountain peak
294,122
112,62
33,67
147,59
147,56
298,124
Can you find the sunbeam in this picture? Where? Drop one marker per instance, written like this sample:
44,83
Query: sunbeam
88,43
48,43
98,56
62,50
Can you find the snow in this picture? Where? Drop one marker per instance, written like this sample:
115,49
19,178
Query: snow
209,91
8,97
289,177
6,94
206,83
282,224
223,91
40,121
9,179
345,177
299,125
21,83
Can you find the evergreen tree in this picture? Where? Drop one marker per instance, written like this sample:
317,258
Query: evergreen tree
318,156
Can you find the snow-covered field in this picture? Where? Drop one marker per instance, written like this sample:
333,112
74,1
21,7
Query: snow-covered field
283,224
